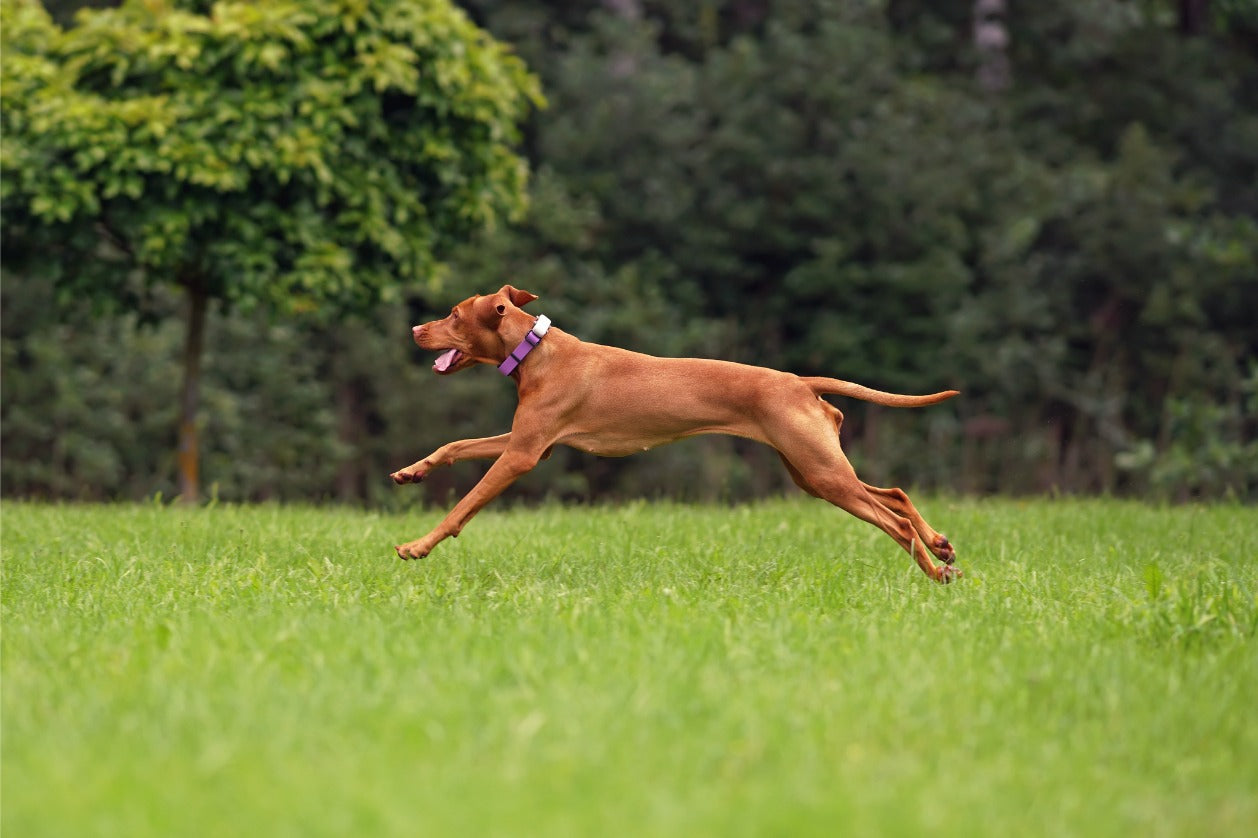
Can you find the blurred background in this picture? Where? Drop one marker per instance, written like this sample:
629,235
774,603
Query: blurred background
1051,206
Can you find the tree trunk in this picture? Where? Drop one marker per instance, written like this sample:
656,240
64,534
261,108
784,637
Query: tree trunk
190,399
349,432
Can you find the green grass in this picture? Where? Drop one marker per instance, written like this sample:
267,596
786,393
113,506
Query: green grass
778,669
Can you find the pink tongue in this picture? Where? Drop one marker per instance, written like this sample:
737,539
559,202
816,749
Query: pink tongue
445,359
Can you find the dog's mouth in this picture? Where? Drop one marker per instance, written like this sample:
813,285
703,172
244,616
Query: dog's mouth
447,361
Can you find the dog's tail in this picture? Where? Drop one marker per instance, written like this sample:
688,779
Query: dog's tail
836,387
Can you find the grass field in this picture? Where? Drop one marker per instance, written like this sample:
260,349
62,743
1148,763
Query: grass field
776,669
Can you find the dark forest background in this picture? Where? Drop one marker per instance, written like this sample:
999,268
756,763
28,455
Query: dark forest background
1051,206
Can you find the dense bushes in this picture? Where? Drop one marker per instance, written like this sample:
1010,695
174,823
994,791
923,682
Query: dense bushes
810,185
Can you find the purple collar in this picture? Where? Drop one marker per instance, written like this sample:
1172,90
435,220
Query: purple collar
533,338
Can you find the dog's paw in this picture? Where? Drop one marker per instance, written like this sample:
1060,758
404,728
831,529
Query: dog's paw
408,475
948,574
412,550
944,550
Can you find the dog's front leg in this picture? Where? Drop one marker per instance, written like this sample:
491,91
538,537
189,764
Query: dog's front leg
451,453
513,463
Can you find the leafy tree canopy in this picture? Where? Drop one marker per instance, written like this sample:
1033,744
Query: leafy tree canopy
291,154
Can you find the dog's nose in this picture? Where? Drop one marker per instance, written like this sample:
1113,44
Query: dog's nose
415,330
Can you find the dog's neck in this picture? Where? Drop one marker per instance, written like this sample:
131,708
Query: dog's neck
528,341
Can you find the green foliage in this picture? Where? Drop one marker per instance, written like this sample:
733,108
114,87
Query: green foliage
292,154
787,181
301,157
1212,450
105,427
810,185
1069,255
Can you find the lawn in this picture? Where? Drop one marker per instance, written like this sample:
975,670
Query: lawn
647,669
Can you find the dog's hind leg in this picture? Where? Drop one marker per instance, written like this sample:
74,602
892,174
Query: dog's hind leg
837,483
893,500
898,502
797,477
811,452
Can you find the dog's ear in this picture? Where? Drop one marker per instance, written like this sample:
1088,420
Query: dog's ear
516,296
492,308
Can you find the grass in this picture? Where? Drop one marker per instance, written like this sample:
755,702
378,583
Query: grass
650,669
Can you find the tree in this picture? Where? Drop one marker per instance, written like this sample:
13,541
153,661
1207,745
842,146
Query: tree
302,157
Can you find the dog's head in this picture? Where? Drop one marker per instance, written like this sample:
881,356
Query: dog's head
471,334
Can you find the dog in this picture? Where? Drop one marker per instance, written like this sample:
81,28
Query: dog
613,402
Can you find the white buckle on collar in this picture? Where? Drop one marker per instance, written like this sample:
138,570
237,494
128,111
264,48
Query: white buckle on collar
542,326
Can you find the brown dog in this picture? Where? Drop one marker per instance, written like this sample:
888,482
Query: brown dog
613,402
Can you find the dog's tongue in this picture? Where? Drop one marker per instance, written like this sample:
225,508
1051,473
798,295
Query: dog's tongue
445,359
